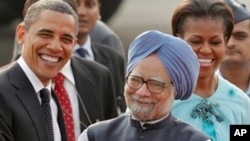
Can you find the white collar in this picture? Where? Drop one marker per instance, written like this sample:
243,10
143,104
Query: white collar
35,81
67,72
87,46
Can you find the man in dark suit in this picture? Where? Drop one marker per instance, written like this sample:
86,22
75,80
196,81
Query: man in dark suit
88,15
100,53
48,36
89,85
91,92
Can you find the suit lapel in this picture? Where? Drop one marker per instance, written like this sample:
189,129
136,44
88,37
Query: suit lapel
83,81
80,71
100,54
28,97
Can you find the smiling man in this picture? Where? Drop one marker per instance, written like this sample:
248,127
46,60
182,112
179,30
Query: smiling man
157,74
48,36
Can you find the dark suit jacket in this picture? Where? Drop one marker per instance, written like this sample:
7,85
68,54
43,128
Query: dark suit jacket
21,118
97,100
116,64
124,128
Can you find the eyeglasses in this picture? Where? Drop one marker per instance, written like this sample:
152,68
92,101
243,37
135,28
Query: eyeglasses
154,86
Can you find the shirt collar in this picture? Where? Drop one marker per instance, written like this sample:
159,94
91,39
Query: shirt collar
151,122
87,46
68,73
35,81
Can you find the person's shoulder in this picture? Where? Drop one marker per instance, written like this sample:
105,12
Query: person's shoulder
102,33
231,91
106,49
101,45
8,77
225,84
103,27
88,64
7,68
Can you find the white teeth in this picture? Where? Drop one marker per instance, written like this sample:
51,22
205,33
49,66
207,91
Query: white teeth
50,59
205,60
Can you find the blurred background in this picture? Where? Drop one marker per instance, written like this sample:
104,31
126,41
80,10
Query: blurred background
127,18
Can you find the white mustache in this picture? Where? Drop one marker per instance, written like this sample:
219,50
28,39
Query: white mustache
136,97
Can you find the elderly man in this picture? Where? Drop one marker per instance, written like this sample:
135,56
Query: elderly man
157,74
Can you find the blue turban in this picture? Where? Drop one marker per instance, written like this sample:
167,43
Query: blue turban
179,60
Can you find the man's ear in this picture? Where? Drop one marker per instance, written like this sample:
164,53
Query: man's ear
20,33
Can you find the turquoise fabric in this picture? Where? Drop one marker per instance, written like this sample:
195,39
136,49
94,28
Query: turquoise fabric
234,108
248,89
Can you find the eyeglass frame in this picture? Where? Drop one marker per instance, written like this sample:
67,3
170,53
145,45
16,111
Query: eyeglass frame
163,84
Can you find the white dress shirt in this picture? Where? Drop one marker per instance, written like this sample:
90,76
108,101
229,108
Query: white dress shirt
69,83
38,85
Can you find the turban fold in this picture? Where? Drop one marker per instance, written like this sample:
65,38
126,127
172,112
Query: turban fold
239,10
178,58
